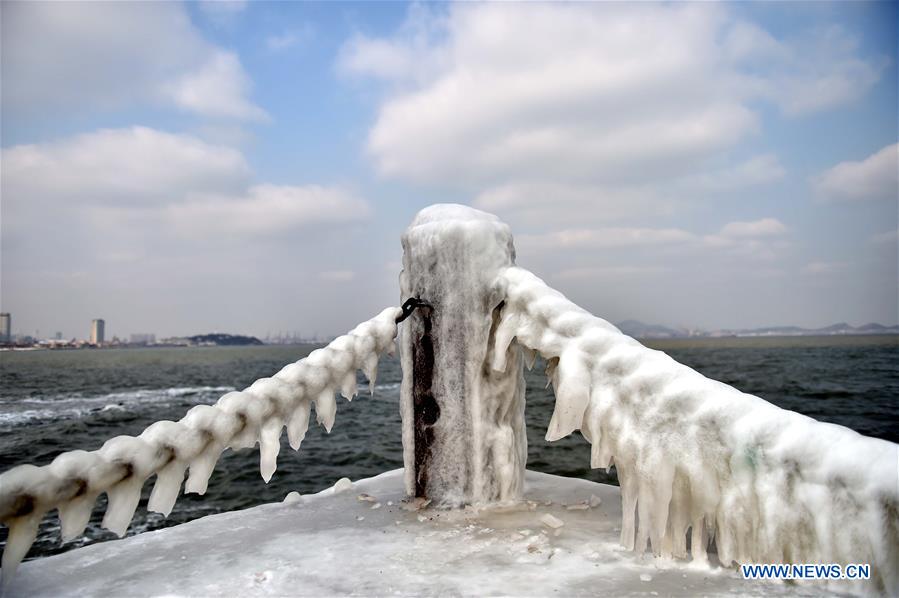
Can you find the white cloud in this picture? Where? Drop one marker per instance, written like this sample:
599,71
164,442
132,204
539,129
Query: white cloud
604,238
338,275
153,184
85,56
554,203
891,236
808,72
608,109
601,272
376,57
758,240
825,267
876,177
569,91
411,54
531,79
169,232
766,227
758,170
217,89
291,38
219,8
121,166
277,43
746,235
267,210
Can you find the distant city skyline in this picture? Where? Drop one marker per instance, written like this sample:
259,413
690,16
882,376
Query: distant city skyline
698,165
635,328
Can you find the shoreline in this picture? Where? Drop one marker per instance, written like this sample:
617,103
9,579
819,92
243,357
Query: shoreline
886,338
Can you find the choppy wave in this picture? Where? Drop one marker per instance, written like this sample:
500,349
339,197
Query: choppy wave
131,395
32,410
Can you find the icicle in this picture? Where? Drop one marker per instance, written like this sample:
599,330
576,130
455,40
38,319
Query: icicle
628,483
370,369
201,469
530,357
75,506
699,541
503,337
167,486
298,424
348,386
217,427
75,514
326,408
571,382
136,459
550,370
661,481
22,533
269,446
123,499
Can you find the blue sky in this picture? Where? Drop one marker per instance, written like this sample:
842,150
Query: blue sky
249,167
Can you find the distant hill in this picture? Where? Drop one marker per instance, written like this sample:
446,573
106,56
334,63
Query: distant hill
223,339
638,329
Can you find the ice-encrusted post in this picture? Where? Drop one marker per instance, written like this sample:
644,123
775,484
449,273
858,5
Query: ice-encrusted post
463,422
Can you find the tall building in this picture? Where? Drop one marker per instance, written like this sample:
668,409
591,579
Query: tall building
5,327
98,329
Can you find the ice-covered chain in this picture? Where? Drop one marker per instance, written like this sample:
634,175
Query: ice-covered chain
74,480
769,485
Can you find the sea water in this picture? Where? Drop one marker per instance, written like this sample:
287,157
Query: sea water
53,401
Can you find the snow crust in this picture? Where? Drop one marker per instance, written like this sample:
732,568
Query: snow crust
318,546
240,419
699,460
452,257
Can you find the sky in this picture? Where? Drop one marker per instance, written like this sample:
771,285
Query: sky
249,167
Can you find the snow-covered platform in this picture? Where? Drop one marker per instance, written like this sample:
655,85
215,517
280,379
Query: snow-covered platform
365,540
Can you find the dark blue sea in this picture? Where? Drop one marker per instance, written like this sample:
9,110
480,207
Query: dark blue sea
53,401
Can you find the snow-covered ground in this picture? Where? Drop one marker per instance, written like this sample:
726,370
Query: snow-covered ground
365,540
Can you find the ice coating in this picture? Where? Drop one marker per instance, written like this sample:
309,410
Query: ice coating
73,481
464,439
300,548
697,456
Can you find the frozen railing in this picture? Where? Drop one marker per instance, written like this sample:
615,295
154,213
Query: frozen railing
257,414
692,454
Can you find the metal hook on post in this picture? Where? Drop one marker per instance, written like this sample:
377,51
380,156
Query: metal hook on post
410,305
